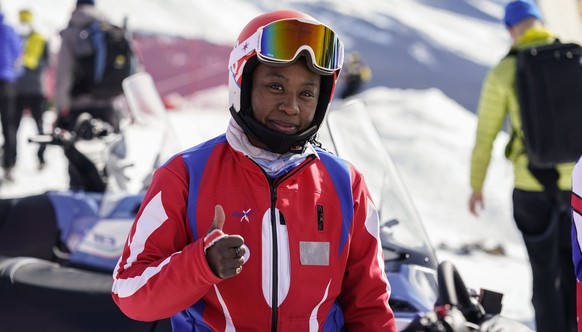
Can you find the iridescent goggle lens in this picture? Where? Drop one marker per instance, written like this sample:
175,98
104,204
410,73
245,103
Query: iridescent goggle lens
282,41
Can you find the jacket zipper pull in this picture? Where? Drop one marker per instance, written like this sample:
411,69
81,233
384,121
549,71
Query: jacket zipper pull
320,217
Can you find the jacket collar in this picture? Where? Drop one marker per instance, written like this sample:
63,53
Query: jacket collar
273,164
534,37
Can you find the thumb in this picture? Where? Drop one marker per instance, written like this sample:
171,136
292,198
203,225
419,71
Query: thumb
219,218
215,232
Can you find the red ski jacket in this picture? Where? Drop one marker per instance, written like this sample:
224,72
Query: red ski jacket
314,259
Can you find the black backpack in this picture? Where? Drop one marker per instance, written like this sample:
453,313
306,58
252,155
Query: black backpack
549,91
102,72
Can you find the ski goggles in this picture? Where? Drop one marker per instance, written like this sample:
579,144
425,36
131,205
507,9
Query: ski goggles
281,42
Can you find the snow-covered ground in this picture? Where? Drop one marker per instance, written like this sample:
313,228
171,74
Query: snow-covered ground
428,131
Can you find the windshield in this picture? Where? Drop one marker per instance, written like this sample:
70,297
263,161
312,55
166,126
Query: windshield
401,228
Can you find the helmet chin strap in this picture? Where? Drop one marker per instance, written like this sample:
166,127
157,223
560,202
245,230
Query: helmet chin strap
274,140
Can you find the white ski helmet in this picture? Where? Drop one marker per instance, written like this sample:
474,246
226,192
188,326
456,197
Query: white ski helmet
281,37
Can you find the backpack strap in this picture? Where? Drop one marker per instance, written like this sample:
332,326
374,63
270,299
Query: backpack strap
512,52
548,177
97,36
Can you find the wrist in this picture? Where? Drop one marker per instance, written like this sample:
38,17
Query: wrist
212,238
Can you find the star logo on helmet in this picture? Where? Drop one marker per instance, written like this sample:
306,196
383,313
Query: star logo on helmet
245,46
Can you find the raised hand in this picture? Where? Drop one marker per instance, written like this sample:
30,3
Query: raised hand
224,252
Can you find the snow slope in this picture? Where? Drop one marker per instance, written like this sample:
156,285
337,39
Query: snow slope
415,44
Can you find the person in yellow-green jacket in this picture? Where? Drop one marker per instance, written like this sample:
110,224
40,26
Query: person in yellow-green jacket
543,220
30,89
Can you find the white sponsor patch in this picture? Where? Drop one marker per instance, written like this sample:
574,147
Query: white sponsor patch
314,253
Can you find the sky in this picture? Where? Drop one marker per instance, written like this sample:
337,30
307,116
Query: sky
427,129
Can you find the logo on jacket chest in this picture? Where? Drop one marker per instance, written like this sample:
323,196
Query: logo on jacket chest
244,215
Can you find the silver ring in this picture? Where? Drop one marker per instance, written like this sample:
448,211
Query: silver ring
236,252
